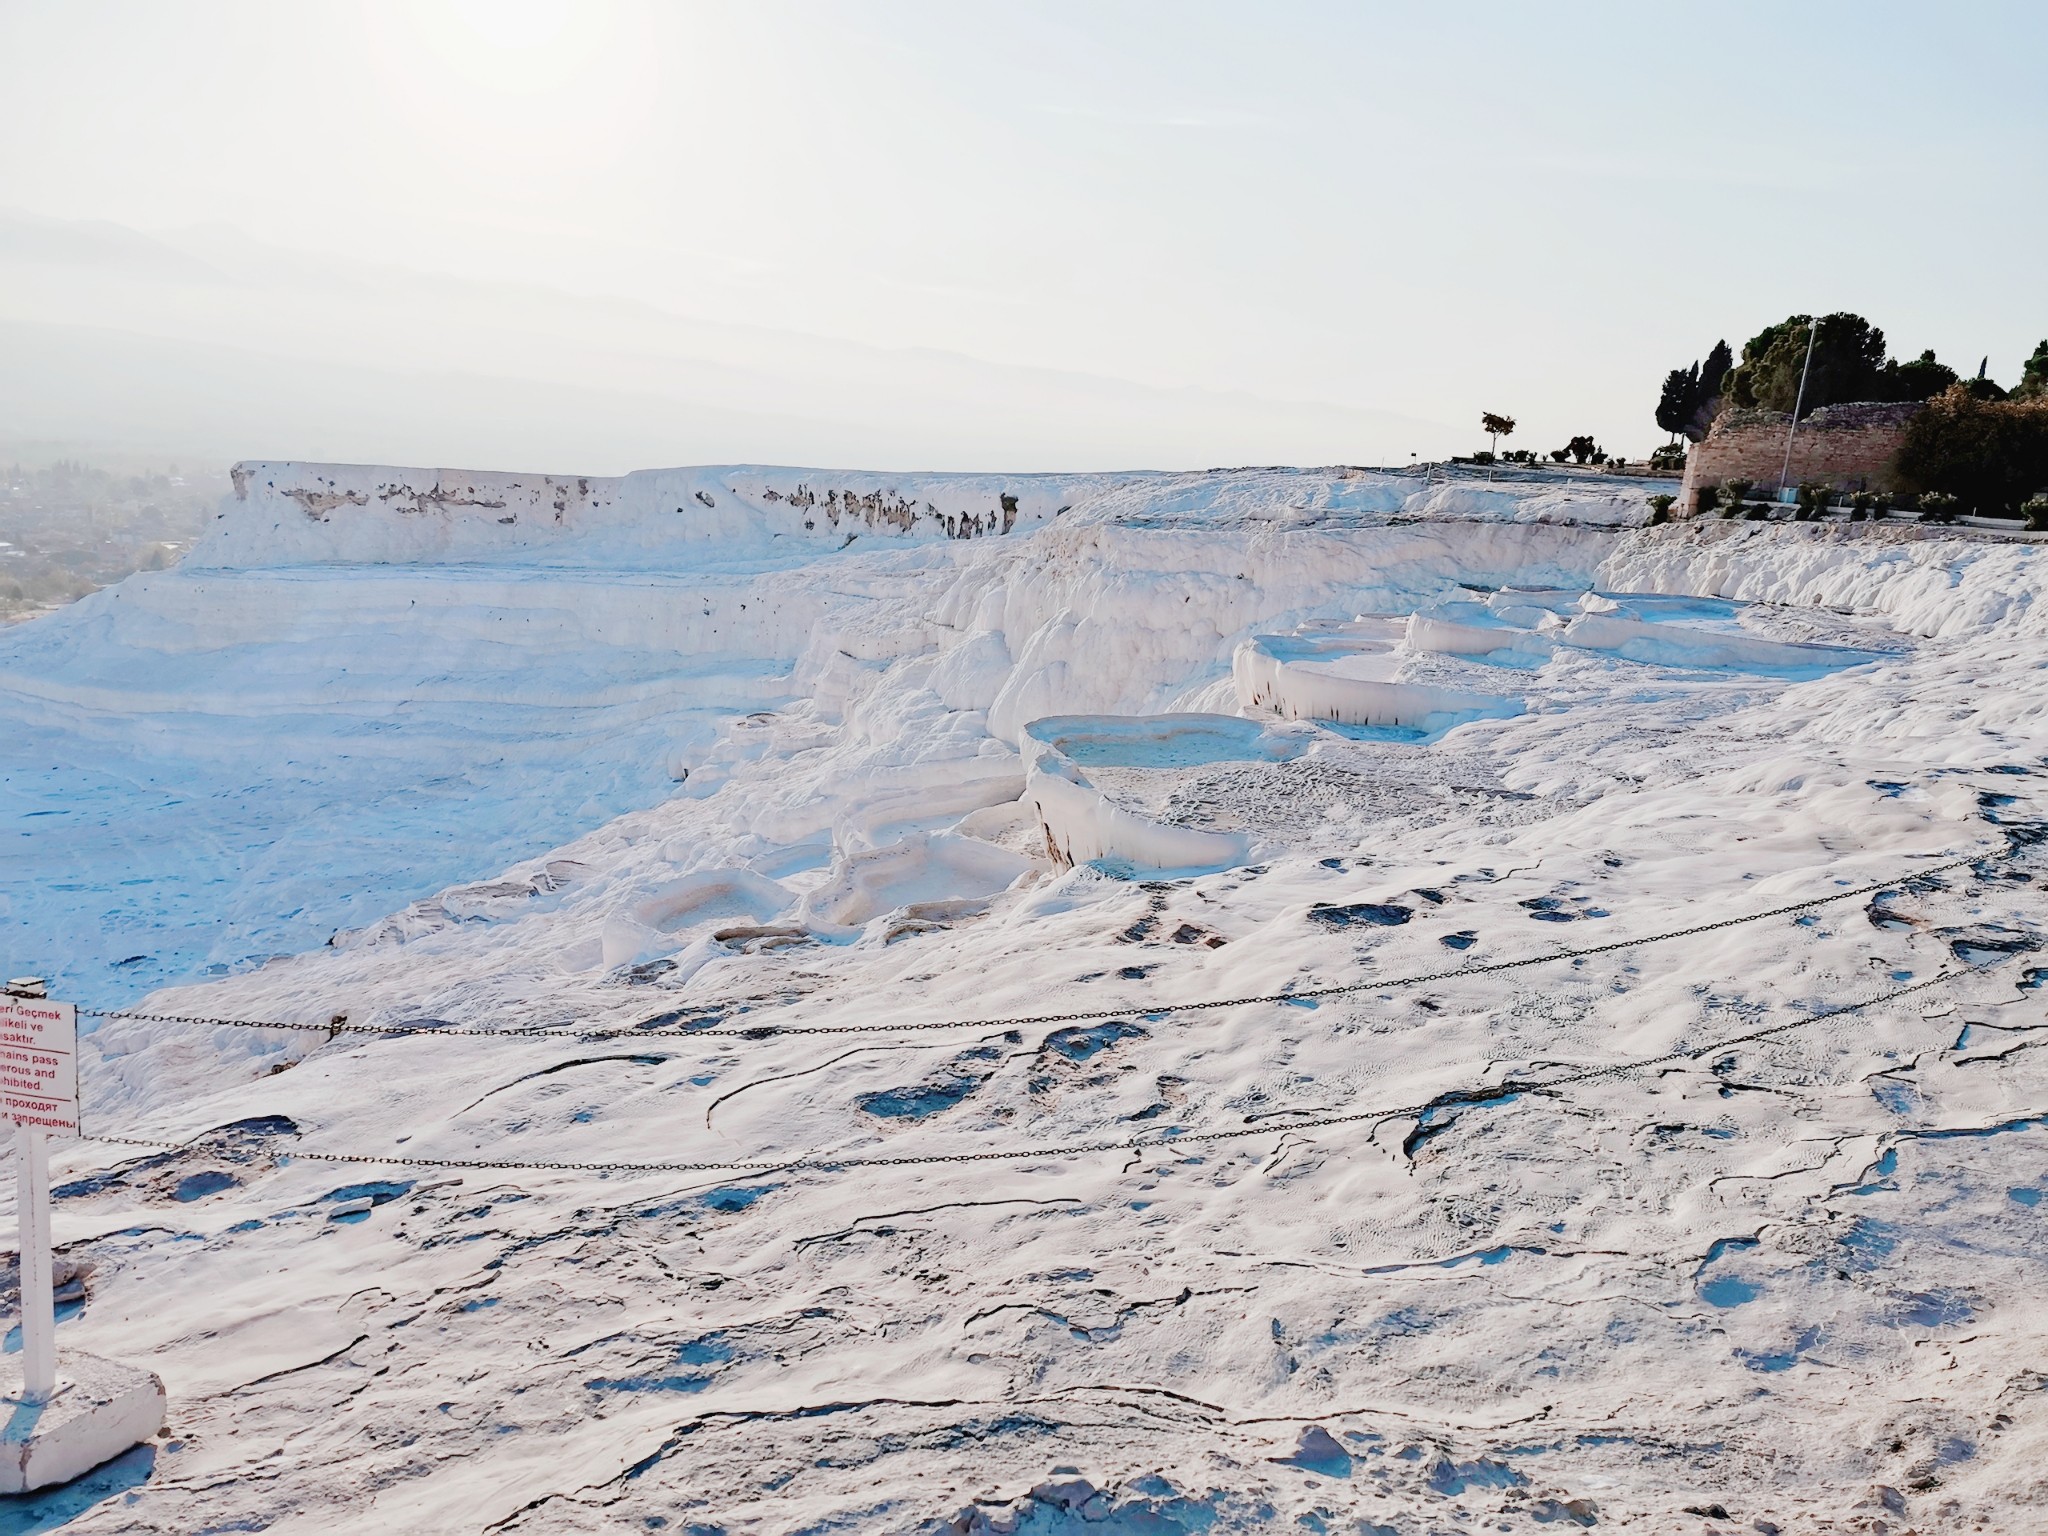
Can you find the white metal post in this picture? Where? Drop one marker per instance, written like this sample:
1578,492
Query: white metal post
38,1311
104,1407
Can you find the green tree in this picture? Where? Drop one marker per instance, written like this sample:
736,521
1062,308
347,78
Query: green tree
2034,377
1675,405
1921,379
1713,389
1496,427
1691,397
1848,364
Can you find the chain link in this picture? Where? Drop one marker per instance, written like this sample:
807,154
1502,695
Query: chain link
550,1033
823,1161
1310,994
1027,1021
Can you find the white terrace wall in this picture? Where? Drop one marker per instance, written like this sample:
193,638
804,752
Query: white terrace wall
295,514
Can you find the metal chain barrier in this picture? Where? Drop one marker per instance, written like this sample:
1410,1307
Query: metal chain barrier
825,1161
1025,1021
1342,989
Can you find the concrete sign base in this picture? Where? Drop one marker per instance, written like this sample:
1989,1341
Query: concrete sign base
99,1410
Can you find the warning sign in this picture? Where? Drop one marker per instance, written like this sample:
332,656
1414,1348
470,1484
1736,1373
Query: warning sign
39,1064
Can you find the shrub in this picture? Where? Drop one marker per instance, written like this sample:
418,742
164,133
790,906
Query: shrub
1483,456
1660,508
1813,500
1757,514
1735,492
2035,510
1988,454
1861,502
1938,507
1670,456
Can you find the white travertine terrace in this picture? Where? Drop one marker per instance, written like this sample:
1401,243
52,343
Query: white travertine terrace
622,795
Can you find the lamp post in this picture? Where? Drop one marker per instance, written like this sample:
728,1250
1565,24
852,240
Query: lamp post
1812,331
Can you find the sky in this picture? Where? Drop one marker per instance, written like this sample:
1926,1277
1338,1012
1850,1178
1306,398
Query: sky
1394,217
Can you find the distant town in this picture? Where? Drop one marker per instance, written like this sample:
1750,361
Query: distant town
68,528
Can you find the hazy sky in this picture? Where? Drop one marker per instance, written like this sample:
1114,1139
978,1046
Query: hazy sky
1426,209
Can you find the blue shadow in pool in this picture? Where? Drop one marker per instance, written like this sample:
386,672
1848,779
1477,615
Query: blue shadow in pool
1165,741
711,1350
28,1513
929,1098
1728,1291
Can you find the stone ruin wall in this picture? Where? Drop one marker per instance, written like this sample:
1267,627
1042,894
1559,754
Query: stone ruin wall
1850,447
